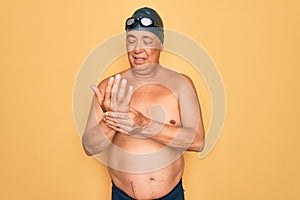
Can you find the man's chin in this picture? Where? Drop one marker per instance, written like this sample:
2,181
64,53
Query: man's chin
138,65
143,66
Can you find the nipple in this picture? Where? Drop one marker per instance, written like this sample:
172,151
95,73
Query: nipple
172,122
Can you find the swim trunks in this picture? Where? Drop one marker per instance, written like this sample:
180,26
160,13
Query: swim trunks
177,193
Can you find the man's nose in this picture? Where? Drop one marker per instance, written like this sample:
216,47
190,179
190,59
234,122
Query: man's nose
139,47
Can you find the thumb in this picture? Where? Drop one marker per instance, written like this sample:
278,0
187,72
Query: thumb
97,93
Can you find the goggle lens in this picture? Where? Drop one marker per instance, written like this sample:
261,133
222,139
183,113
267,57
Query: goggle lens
130,21
146,22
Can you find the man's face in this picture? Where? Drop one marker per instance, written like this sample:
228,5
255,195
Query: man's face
143,47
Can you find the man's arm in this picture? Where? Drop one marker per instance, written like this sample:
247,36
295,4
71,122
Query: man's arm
98,136
185,138
188,136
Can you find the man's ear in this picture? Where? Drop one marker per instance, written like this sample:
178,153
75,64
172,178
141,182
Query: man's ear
161,46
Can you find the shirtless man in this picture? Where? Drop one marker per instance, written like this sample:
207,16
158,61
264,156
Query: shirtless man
145,118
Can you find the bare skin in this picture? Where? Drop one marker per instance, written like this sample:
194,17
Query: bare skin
153,184
141,111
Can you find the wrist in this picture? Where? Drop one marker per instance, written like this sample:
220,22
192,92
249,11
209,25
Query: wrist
146,122
151,128
105,128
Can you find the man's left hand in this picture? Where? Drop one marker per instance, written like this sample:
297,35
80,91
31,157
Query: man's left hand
128,123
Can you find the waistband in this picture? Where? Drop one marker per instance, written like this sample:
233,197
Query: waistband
119,194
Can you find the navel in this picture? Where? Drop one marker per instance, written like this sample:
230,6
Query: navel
152,179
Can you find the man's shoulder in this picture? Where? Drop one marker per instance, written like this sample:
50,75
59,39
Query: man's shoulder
178,77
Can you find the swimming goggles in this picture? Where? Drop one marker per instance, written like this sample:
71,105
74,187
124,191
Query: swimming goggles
144,22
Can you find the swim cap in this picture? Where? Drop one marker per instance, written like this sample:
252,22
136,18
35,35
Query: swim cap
146,19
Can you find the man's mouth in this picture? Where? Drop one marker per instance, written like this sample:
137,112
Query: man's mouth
139,60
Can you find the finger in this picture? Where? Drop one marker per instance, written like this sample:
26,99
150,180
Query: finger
118,129
97,93
126,122
121,92
115,89
129,94
124,129
110,122
108,89
115,86
118,122
111,126
117,115
129,130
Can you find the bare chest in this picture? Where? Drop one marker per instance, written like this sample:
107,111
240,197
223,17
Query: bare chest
157,103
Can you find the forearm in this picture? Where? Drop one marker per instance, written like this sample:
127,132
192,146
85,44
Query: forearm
189,138
97,138
178,137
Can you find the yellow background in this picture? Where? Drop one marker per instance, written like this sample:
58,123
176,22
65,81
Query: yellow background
255,45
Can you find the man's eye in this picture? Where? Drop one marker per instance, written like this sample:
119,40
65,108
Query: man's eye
131,41
148,41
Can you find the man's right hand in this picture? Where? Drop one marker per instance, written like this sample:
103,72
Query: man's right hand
115,97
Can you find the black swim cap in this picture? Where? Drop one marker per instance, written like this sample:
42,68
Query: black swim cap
155,27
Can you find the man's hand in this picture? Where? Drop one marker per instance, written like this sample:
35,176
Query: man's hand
120,100
128,123
132,123
114,98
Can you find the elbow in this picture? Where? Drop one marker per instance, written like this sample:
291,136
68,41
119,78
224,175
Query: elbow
91,150
197,146
88,147
85,146
88,151
201,145
199,142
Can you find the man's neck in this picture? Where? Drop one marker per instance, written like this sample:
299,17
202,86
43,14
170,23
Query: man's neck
146,71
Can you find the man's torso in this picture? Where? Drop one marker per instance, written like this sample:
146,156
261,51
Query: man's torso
159,103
